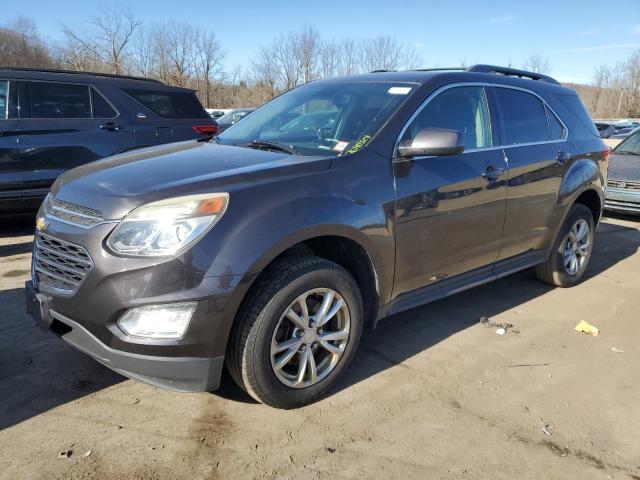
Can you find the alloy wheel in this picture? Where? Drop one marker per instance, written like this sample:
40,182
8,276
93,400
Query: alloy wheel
310,338
575,247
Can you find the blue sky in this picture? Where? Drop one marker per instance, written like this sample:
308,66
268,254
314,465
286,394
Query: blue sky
576,35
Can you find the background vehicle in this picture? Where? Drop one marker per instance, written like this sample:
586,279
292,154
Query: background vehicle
605,129
623,186
51,121
217,112
232,117
623,133
275,243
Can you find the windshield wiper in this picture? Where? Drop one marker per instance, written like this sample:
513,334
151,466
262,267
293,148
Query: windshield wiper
271,145
628,152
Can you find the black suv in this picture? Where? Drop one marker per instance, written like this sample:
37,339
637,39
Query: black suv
51,121
270,247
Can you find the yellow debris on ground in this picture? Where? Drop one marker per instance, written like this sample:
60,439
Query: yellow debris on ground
586,327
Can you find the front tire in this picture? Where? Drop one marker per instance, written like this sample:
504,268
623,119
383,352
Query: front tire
571,251
297,333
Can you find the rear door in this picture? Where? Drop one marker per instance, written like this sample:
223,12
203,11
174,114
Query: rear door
168,115
61,126
537,151
10,180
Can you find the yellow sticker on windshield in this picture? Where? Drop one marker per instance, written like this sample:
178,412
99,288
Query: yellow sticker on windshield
359,144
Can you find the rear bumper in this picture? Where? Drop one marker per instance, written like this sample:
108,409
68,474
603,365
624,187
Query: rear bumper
185,374
622,200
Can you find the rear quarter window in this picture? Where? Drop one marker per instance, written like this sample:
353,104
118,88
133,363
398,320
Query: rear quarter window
167,104
574,106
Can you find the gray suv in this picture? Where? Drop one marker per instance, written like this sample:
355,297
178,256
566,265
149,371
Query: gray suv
270,247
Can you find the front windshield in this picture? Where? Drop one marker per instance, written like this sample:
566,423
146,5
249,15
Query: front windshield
321,118
631,144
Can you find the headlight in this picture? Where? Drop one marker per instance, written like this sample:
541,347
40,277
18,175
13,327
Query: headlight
43,211
158,321
163,228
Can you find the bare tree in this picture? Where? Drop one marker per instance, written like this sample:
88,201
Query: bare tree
108,37
537,64
306,47
208,60
143,51
21,46
602,78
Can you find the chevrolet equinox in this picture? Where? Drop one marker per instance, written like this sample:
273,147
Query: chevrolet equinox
270,247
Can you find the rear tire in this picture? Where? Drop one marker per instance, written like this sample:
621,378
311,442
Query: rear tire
297,333
571,250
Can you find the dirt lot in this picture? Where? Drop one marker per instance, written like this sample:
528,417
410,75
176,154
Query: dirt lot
433,393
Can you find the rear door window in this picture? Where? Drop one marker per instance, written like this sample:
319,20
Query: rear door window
167,104
57,100
523,117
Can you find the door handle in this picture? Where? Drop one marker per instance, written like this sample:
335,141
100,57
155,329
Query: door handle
491,172
562,157
110,126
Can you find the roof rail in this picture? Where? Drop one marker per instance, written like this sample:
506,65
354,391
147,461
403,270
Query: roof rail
438,69
79,72
512,72
381,71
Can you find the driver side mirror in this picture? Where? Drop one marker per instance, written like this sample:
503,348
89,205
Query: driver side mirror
432,142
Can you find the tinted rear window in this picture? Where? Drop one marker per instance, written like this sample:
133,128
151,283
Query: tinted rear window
170,104
523,117
57,100
576,108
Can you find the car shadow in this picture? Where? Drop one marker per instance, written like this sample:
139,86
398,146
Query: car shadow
12,226
406,334
39,371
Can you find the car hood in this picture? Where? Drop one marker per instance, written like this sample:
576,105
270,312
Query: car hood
624,167
118,184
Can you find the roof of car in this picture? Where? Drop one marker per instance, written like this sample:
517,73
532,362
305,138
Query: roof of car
80,76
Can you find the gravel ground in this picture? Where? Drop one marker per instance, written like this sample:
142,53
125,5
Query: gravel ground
434,393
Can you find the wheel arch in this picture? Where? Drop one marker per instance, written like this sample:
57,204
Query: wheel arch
342,245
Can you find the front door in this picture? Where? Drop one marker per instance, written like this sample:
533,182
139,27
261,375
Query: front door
59,130
10,181
450,210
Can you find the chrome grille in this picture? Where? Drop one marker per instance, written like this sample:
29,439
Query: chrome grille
60,267
627,185
76,214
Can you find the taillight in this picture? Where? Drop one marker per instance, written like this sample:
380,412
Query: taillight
206,129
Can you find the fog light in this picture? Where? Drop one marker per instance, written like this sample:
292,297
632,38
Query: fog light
158,321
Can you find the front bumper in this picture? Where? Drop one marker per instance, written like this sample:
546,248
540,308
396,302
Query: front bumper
622,200
185,374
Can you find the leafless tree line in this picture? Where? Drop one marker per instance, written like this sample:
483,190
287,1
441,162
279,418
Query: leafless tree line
616,89
182,54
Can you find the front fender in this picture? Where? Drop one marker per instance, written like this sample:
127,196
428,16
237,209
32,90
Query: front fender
266,219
